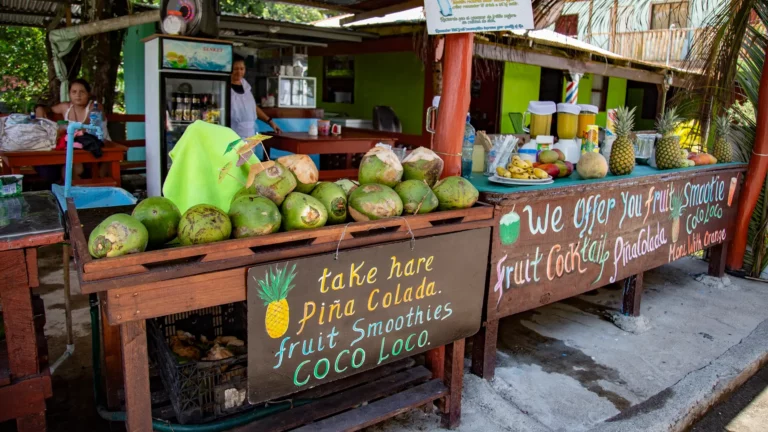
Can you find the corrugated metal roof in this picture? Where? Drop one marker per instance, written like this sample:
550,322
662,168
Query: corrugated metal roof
34,13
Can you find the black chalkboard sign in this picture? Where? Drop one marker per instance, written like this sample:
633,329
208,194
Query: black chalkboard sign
318,319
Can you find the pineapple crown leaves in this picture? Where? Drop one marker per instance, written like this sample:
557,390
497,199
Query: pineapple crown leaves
677,207
276,284
625,121
668,121
723,125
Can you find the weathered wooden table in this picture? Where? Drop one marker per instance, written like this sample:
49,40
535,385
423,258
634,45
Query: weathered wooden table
552,242
350,142
135,288
26,222
113,154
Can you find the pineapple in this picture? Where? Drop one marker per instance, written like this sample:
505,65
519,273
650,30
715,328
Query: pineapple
722,150
622,160
273,290
668,147
675,213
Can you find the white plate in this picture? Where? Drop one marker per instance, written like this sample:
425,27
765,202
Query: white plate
518,182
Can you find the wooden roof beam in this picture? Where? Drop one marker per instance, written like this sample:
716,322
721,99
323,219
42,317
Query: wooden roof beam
382,11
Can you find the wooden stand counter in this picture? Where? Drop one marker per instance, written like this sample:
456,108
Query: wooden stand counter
552,242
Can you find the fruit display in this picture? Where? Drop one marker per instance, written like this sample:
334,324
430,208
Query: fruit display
622,160
417,197
333,197
204,223
697,159
668,147
522,170
253,215
302,211
303,169
161,217
380,166
119,234
722,150
423,164
272,200
374,201
592,166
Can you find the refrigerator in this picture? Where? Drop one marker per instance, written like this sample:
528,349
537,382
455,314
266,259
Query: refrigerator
185,80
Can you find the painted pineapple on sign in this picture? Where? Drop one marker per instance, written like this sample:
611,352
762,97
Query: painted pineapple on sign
274,289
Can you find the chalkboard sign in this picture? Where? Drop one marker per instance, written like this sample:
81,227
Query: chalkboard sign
318,319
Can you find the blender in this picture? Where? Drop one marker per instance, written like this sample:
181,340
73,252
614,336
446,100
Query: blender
587,116
541,118
567,130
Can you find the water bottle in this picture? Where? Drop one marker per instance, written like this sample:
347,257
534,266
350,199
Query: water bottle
467,149
32,118
95,116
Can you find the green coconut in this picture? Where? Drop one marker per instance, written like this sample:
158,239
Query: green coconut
275,182
334,199
119,234
204,223
161,218
253,215
417,197
380,166
374,201
455,193
348,185
244,191
301,211
423,164
303,169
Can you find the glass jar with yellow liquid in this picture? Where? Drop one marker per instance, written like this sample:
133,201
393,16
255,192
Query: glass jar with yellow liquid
541,118
567,121
587,116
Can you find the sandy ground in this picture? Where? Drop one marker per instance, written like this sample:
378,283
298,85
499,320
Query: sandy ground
563,367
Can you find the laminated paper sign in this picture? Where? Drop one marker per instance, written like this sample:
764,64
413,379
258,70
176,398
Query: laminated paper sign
463,16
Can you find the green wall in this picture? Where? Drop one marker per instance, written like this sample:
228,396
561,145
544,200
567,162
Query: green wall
133,66
617,97
393,79
520,86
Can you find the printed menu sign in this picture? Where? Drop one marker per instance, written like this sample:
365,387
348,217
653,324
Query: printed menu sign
463,16
318,319
552,247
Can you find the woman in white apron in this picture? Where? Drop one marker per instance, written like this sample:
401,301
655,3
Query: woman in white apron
244,109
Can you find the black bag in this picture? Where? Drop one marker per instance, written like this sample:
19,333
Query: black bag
91,143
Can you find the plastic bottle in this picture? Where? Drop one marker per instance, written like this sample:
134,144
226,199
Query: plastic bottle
95,116
467,149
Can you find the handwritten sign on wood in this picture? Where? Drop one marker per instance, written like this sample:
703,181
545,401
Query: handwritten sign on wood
318,319
548,247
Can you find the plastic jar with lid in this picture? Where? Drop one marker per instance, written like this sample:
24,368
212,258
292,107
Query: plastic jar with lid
541,117
587,116
567,120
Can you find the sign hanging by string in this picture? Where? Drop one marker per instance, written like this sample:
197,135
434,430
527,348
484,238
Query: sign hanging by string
464,16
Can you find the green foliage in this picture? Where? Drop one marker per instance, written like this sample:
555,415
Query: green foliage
23,69
267,10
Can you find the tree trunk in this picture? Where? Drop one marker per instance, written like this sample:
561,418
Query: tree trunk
102,52
753,184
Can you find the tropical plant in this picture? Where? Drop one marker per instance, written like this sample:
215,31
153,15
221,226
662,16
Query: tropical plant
24,69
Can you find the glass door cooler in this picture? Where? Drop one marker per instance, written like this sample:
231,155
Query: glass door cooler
189,82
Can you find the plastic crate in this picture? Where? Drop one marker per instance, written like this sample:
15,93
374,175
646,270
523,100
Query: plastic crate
202,391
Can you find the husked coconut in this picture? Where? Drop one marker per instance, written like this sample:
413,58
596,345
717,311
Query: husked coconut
304,169
423,164
374,201
380,166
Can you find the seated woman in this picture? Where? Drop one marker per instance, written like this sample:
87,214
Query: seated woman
78,109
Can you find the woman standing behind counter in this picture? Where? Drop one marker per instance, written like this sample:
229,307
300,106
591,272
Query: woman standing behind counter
244,108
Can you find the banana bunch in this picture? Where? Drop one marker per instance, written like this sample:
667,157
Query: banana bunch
521,170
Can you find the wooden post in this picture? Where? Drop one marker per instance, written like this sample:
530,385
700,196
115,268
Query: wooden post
111,356
753,184
454,379
454,102
633,293
138,402
436,362
717,256
484,350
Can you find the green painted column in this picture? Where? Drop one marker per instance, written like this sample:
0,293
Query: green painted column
133,66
